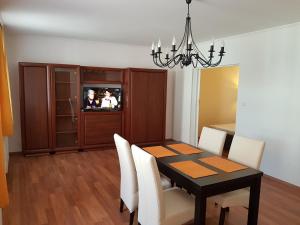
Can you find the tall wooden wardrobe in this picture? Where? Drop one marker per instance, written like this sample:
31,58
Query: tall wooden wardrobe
146,108
49,106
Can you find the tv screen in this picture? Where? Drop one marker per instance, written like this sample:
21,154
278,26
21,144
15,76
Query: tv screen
102,99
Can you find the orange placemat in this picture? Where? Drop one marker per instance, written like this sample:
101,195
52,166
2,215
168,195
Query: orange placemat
223,164
193,169
185,149
159,151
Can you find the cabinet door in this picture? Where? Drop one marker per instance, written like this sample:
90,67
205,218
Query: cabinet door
66,110
34,84
139,107
147,106
156,107
100,127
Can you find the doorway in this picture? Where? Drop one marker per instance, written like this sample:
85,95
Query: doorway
218,99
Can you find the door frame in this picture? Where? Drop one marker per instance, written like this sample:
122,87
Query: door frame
195,99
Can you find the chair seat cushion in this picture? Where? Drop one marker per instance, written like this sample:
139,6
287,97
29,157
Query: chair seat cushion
179,205
234,198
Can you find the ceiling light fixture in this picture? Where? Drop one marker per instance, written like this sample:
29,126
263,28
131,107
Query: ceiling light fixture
187,52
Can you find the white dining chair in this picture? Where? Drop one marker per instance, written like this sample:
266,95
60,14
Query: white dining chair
248,152
156,206
212,140
129,187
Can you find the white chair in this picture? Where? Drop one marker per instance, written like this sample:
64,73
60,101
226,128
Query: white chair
212,140
248,152
129,187
157,206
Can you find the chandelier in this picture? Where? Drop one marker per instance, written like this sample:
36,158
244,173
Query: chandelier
187,52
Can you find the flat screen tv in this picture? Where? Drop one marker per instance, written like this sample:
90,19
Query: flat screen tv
97,98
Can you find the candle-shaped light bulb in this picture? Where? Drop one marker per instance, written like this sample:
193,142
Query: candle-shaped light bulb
174,41
212,46
156,49
153,46
159,43
223,44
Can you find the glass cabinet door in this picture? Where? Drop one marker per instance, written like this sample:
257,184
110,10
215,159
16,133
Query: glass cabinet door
66,104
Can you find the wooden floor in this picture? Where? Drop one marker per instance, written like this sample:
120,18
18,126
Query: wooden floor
83,189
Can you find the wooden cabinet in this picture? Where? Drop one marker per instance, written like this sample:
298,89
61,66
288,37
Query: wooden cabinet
65,106
99,128
49,107
52,120
145,107
35,108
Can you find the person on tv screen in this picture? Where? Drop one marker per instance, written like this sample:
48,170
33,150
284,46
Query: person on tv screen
90,102
108,101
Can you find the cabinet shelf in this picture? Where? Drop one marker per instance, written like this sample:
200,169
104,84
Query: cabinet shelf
66,115
100,82
64,100
67,132
65,82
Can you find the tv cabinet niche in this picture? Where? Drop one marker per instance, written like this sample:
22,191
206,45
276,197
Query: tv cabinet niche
98,127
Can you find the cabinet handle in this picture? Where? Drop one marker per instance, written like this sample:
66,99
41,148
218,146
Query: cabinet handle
72,111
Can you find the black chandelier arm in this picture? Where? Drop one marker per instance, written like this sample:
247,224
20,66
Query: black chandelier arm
171,64
155,61
183,38
197,49
200,59
159,58
174,60
159,62
217,63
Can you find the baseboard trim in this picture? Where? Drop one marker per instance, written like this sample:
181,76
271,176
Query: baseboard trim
281,181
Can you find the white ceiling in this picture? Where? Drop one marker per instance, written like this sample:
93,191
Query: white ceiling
142,21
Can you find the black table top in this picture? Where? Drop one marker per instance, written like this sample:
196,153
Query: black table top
214,184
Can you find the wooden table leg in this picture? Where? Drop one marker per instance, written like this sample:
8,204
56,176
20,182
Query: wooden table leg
254,202
200,210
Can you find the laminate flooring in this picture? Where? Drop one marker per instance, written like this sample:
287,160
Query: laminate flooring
83,189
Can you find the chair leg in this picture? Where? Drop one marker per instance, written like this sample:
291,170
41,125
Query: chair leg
121,205
222,216
131,218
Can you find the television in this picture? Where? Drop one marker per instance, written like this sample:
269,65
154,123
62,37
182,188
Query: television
102,98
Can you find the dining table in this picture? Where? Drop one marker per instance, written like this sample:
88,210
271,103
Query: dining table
207,186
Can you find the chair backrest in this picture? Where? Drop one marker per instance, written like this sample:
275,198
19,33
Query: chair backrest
129,186
246,151
212,140
151,209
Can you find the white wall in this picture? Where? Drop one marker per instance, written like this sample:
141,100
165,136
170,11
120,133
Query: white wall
268,99
32,48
